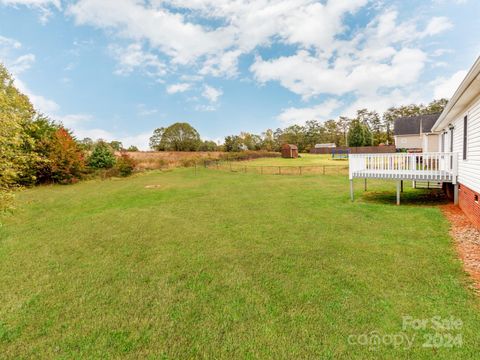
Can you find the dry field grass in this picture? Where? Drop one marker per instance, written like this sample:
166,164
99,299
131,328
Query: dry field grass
152,160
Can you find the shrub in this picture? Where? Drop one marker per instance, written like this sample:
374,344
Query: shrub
102,156
64,158
125,165
188,162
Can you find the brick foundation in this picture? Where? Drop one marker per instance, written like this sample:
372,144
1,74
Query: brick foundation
469,206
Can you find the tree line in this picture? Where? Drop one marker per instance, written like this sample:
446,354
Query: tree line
35,149
367,128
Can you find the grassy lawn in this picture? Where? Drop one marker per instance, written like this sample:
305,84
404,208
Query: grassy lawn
174,265
303,160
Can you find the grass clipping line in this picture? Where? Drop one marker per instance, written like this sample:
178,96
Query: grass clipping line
467,241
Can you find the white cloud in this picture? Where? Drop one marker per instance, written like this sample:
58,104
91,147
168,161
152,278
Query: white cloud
22,63
211,94
9,55
143,110
319,112
73,120
206,108
437,25
133,57
45,6
11,43
445,87
178,88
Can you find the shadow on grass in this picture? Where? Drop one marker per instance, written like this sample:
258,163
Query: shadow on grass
410,197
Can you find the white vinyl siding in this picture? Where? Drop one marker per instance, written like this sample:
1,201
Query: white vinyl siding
408,141
469,169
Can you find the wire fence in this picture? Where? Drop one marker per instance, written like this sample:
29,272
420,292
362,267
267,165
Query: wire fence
299,170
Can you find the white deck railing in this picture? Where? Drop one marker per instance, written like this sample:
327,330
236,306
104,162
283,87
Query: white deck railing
422,166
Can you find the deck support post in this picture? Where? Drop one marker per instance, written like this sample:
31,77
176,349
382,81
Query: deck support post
398,191
455,194
365,184
401,182
351,190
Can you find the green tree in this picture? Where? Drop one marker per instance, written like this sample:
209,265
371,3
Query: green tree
208,146
294,134
86,144
116,145
176,137
268,140
16,120
132,148
436,106
156,139
343,125
102,156
314,133
233,143
356,134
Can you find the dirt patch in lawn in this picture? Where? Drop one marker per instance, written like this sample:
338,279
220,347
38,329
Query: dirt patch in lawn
467,241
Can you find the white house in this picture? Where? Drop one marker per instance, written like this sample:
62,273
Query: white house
415,133
459,125
456,160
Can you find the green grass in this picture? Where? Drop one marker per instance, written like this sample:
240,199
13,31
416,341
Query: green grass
303,160
225,265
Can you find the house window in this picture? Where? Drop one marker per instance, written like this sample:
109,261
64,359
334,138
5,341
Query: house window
451,139
465,133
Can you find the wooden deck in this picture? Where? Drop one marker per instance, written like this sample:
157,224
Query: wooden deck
436,175
435,167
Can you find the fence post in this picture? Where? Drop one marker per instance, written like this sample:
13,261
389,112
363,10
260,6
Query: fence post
300,170
279,170
323,169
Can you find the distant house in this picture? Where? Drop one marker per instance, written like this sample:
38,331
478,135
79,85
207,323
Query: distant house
289,151
415,134
326,145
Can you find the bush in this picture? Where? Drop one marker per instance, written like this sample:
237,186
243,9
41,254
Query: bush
62,158
102,156
188,162
125,165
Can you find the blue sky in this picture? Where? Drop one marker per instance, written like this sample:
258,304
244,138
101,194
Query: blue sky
118,69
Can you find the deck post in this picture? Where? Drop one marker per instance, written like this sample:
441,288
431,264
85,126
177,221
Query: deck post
351,189
455,194
365,184
398,192
401,182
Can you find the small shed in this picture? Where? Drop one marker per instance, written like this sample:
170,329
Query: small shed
289,151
